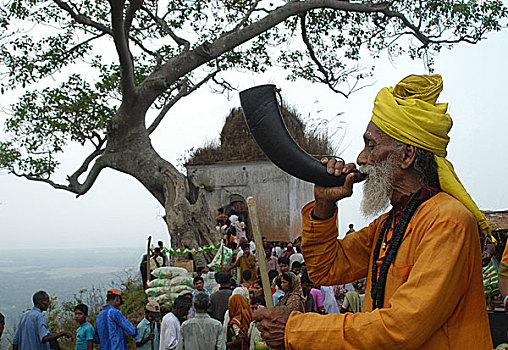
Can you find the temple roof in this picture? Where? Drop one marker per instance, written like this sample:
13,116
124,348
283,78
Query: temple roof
236,143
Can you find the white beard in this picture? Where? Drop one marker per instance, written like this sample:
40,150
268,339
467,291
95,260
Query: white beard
378,188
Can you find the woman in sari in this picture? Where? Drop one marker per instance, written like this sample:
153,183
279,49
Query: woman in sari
238,327
293,299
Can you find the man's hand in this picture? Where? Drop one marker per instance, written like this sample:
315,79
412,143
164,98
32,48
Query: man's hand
67,334
271,322
326,197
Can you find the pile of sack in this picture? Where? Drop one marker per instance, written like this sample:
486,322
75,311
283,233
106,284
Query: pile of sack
171,282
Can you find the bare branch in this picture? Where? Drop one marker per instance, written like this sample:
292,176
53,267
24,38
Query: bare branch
73,179
128,84
182,92
148,51
180,41
326,76
415,30
48,181
82,19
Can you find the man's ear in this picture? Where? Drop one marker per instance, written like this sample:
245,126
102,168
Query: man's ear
408,156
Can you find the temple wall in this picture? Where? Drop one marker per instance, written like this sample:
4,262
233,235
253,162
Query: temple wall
279,196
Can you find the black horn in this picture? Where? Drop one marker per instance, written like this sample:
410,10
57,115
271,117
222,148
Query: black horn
265,122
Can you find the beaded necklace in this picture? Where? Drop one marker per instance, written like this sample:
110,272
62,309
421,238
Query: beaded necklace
378,284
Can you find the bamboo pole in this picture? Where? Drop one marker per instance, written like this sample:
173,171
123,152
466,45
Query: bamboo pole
253,215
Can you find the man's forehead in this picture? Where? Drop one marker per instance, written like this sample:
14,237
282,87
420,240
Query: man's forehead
373,132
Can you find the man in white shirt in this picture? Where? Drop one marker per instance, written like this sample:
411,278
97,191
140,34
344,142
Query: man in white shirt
170,326
296,257
232,216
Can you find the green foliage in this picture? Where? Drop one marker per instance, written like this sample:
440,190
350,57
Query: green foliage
42,123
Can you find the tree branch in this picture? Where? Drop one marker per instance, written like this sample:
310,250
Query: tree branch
188,61
128,84
183,91
83,19
247,16
73,179
326,76
415,30
134,6
167,29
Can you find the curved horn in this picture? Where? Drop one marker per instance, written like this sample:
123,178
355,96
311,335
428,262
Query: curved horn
266,124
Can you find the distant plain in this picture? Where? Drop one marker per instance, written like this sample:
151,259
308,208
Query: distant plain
61,273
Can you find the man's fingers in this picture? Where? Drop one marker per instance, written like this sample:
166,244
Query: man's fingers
348,184
330,166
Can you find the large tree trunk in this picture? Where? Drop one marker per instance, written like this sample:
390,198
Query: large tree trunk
189,220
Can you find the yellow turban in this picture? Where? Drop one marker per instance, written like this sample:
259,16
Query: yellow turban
409,113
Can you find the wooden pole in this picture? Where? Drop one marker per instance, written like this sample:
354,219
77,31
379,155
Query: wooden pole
148,259
152,333
222,255
267,290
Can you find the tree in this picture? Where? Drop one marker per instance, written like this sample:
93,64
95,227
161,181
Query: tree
164,51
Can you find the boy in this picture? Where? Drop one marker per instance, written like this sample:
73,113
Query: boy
296,268
283,264
246,262
247,278
148,331
199,285
85,332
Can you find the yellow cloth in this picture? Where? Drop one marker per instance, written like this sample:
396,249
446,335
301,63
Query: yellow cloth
409,113
434,293
247,263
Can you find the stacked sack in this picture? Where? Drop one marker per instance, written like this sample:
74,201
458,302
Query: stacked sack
171,282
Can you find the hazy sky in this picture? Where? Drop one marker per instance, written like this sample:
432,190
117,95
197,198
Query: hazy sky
118,211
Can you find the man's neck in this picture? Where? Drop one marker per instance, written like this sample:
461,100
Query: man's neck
403,188
201,311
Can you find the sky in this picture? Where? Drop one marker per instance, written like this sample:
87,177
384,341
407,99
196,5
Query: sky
119,212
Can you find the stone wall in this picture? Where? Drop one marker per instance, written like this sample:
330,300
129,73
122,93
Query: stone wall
279,196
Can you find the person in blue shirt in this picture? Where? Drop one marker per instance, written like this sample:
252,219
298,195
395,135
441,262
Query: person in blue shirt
111,325
33,332
199,284
85,332
148,330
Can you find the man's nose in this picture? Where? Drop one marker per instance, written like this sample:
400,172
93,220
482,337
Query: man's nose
362,159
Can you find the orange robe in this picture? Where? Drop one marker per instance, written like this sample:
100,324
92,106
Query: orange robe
503,266
434,294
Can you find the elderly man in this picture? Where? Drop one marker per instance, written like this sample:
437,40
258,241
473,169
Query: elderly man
422,259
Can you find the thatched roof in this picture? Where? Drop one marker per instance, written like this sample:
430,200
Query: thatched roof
236,143
498,220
